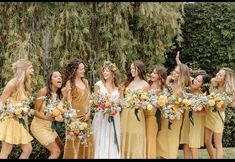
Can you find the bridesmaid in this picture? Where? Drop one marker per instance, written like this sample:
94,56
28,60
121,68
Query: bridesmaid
41,124
157,82
13,132
103,131
168,140
192,136
78,97
133,132
225,81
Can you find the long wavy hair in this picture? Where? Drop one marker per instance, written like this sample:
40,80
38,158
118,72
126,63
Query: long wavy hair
22,84
49,86
70,72
162,73
114,70
140,67
184,80
229,82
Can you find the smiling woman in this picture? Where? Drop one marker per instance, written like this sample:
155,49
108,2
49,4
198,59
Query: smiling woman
41,124
16,91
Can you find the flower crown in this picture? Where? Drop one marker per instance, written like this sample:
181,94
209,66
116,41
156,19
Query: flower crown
110,65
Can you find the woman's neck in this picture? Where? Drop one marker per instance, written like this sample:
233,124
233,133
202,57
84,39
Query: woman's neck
53,89
156,85
136,79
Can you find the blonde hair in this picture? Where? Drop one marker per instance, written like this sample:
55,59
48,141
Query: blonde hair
184,79
229,81
22,85
115,72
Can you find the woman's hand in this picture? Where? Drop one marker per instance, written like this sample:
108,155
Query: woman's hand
86,117
49,117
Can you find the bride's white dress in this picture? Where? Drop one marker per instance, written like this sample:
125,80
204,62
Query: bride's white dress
103,131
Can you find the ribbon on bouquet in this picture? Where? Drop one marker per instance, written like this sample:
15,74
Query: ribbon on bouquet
111,119
158,119
190,114
216,110
136,114
24,122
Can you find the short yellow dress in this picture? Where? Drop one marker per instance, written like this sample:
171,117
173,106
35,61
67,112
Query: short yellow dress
41,129
168,140
151,133
12,131
214,122
133,135
74,149
193,135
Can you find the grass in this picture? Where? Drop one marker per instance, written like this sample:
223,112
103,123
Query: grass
229,153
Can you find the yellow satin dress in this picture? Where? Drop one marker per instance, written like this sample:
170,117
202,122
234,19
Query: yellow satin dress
151,133
168,140
74,149
41,129
214,122
13,132
193,135
133,134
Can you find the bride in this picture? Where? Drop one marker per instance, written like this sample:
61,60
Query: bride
107,134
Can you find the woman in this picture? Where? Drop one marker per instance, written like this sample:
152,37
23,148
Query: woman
103,130
168,139
133,132
41,123
192,136
225,81
16,90
157,83
78,98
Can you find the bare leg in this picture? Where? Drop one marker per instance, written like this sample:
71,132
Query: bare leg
208,143
6,150
186,151
218,145
26,150
59,143
194,152
54,150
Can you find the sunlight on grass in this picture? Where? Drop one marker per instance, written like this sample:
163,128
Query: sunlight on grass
229,153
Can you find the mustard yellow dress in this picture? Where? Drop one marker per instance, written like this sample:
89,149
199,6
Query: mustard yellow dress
133,134
193,135
73,148
168,140
151,133
12,131
214,122
41,129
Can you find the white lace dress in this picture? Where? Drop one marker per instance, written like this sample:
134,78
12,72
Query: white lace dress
103,130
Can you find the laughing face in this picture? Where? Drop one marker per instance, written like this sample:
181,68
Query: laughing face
56,79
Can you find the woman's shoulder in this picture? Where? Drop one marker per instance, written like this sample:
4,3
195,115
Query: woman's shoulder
42,92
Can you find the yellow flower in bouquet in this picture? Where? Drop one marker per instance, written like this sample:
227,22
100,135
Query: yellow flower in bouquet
219,104
59,118
211,102
149,107
179,100
162,100
82,126
25,110
18,111
144,96
56,112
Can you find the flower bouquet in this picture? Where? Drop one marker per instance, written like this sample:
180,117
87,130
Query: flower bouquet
19,110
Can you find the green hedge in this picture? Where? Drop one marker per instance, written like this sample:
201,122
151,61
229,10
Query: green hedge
209,35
